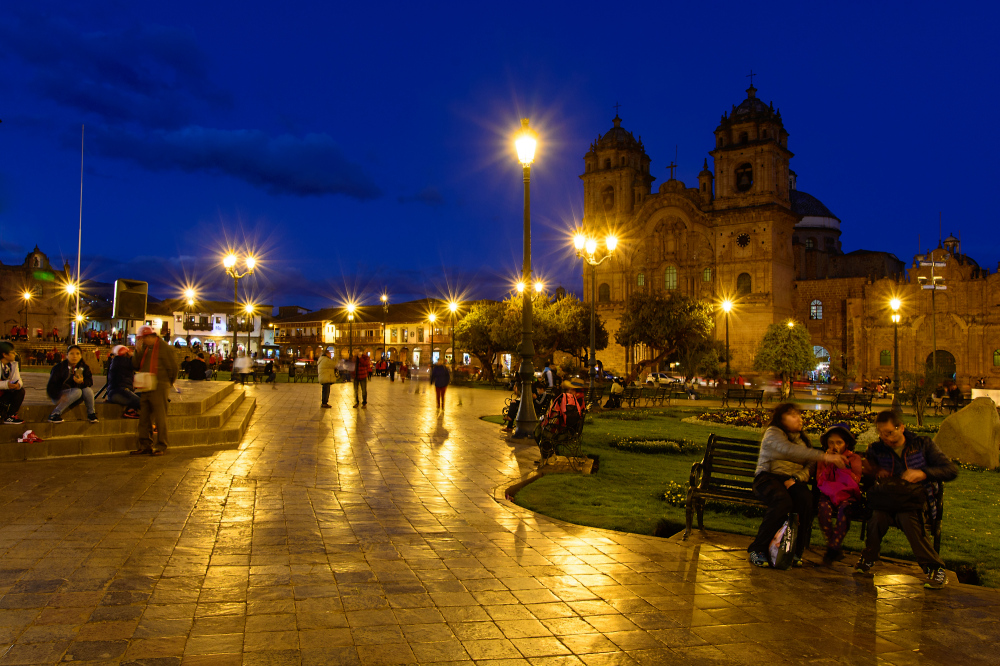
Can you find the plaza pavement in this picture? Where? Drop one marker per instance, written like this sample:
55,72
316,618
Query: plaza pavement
382,536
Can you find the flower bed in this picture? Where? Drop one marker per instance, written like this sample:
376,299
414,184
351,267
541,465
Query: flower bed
656,446
812,420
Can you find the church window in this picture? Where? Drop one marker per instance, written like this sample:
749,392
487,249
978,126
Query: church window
830,244
608,196
744,137
744,177
38,263
604,293
721,142
763,134
588,167
706,275
607,163
623,160
810,243
743,284
640,280
670,278
816,309
885,357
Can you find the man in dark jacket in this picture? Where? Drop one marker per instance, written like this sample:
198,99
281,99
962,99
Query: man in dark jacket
120,374
362,369
197,369
900,454
154,356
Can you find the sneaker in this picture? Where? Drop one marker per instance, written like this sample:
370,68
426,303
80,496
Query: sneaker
92,418
13,420
55,418
797,561
326,406
864,567
759,559
354,405
131,414
937,579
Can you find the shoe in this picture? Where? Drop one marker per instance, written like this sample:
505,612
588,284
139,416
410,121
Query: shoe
92,418
797,562
937,579
326,406
354,405
13,420
864,567
832,555
364,405
157,453
55,418
141,452
130,414
759,560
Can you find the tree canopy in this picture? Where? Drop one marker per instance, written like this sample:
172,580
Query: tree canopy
667,323
785,351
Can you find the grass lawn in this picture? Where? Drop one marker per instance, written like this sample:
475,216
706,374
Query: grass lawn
627,493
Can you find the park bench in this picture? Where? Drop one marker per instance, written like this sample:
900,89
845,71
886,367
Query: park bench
631,395
657,394
854,400
593,397
742,396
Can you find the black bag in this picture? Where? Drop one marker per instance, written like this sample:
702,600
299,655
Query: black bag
894,495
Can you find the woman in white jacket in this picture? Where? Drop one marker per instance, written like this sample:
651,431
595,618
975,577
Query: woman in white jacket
11,388
326,371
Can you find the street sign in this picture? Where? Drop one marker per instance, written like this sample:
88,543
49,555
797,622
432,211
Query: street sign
935,264
933,286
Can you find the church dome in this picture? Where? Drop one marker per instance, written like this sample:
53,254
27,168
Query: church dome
812,211
751,104
618,137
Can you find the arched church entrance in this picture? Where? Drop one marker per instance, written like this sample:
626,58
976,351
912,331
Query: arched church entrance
945,362
821,371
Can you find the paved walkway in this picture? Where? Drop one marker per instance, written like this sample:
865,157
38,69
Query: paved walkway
345,536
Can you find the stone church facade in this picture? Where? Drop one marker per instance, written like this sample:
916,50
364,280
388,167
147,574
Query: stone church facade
747,233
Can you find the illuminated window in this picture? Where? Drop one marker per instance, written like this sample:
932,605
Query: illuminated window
604,293
810,243
885,357
640,279
706,275
670,278
743,284
816,309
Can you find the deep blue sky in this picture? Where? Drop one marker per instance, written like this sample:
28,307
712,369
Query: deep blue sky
362,145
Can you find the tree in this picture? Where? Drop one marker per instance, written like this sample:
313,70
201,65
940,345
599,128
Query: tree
476,333
917,389
673,324
567,328
703,359
786,351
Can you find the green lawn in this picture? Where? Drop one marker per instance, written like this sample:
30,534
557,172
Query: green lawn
627,493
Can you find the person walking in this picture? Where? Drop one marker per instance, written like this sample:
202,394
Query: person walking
241,368
362,369
69,381
404,371
326,371
392,371
11,388
155,359
120,377
440,377
270,375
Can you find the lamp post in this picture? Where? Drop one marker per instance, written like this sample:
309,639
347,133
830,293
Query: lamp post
188,318
896,407
350,334
27,299
430,338
587,248
385,316
727,307
453,306
230,261
791,325
72,289
934,287
248,308
526,419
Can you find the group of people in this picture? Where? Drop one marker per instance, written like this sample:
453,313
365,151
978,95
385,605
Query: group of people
21,334
359,369
900,470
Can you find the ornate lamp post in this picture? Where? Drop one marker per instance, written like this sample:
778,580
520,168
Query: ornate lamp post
587,249
526,419
430,338
351,307
230,261
453,306
249,310
385,316
27,300
896,407
727,307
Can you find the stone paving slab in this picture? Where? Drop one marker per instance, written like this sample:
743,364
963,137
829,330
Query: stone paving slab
372,536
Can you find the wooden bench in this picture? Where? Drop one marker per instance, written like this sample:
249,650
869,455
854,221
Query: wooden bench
593,397
853,400
631,395
657,394
742,396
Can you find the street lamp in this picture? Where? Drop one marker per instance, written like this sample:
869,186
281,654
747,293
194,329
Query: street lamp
430,338
727,307
27,299
587,249
351,307
525,144
229,262
934,286
385,316
453,306
248,308
894,304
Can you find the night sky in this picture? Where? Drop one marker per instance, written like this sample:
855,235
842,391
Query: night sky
362,146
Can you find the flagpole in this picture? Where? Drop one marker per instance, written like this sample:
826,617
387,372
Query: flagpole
79,245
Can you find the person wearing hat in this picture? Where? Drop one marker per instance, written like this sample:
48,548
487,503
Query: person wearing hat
153,356
120,374
839,489
11,388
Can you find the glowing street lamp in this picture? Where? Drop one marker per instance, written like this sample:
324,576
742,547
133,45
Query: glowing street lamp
727,307
453,306
385,316
539,286
895,305
230,262
526,143
586,248
520,287
351,307
27,300
249,310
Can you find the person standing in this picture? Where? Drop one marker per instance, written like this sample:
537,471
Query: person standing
440,377
392,371
120,374
326,371
155,357
362,368
11,388
404,371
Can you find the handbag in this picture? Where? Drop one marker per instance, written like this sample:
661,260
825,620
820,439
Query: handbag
782,549
894,495
146,381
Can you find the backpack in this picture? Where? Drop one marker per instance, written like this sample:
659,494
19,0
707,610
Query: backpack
564,413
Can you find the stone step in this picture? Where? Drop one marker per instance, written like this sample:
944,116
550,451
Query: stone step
230,432
113,423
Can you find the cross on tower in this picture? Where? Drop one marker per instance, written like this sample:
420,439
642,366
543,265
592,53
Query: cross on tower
617,106
750,76
672,166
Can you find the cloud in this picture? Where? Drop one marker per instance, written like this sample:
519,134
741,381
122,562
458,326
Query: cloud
429,196
311,165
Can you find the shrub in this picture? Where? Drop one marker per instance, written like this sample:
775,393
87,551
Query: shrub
656,446
812,420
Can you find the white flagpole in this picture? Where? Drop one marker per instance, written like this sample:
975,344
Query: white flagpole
79,245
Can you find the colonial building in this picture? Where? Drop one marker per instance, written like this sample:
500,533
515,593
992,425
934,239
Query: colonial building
33,294
747,233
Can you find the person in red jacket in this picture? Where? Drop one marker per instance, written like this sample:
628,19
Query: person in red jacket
362,369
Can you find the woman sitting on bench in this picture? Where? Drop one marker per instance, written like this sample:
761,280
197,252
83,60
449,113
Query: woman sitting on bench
784,466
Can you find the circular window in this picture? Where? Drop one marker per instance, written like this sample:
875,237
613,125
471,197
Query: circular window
743,240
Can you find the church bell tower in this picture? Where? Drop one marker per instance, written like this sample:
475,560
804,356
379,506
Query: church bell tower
616,179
